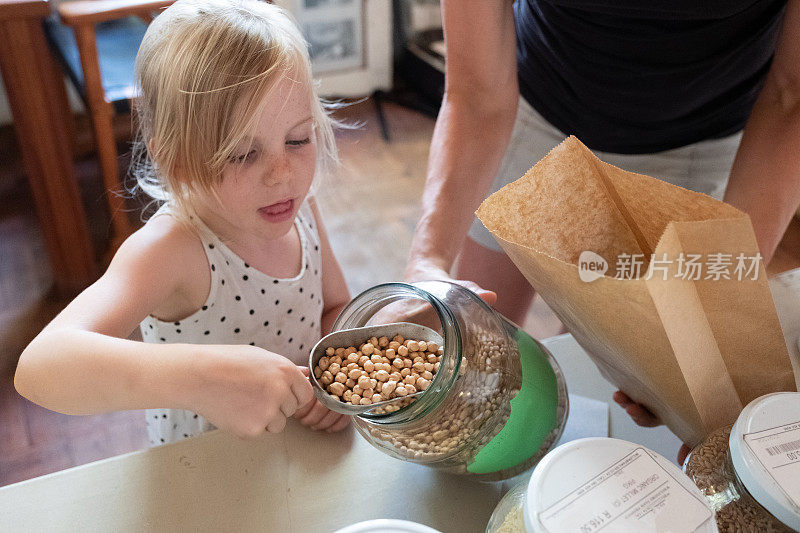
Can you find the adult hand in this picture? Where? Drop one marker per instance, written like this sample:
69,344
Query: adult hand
643,417
424,271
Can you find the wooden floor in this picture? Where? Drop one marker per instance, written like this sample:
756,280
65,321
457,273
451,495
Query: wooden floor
35,441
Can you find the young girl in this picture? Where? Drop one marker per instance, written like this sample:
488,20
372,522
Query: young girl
233,280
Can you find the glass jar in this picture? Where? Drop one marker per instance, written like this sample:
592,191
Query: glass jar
601,483
749,471
496,405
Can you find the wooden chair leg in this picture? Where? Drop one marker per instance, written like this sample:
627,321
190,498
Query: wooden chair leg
102,112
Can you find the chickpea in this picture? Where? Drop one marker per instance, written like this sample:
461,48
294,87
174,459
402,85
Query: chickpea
351,366
382,375
383,342
427,375
355,399
389,387
390,353
317,372
405,372
398,363
340,377
347,395
376,358
369,366
358,390
329,351
423,346
340,352
324,362
432,347
413,346
407,363
336,388
439,352
365,401
350,350
355,373
428,367
397,376
402,351
368,348
394,345
436,366
326,378
418,367
363,359
376,398
431,358
398,339
334,368
353,357
350,383
410,379
373,383
336,359
401,390
367,393
422,383
417,358
411,389
363,382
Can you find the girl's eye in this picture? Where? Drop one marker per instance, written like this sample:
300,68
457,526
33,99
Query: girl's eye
299,142
243,158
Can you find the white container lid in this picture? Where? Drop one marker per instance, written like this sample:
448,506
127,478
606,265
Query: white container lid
765,452
588,484
387,525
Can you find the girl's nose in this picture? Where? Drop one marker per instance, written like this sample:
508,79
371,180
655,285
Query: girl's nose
277,171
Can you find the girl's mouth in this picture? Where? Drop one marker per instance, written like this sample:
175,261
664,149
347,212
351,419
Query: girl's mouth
278,212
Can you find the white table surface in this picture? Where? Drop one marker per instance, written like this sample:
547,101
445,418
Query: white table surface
297,481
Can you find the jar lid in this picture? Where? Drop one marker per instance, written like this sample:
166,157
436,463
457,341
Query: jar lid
765,452
588,484
387,525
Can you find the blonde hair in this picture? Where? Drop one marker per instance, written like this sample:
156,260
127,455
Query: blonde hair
202,70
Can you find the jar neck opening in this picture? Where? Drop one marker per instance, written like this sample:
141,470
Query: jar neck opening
405,302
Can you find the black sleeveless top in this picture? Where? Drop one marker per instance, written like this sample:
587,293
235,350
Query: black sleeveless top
644,76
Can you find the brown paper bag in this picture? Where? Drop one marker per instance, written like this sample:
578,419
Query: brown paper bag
694,351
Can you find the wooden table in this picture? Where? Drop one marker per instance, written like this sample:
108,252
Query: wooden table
299,481
36,93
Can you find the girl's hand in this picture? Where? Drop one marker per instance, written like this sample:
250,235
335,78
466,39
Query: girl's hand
318,417
247,390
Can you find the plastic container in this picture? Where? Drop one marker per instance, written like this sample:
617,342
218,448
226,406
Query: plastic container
498,402
603,484
386,525
750,472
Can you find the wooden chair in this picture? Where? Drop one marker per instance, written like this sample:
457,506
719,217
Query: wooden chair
96,42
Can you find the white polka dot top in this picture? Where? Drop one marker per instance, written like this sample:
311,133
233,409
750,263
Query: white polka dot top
244,306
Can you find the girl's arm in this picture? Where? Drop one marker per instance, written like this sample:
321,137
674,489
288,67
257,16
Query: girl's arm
335,294
81,363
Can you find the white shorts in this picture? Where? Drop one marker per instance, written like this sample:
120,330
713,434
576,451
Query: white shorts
702,167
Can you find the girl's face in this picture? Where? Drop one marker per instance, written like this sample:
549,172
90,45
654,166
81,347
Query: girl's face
271,171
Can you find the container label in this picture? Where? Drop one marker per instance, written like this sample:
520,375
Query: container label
778,450
634,494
